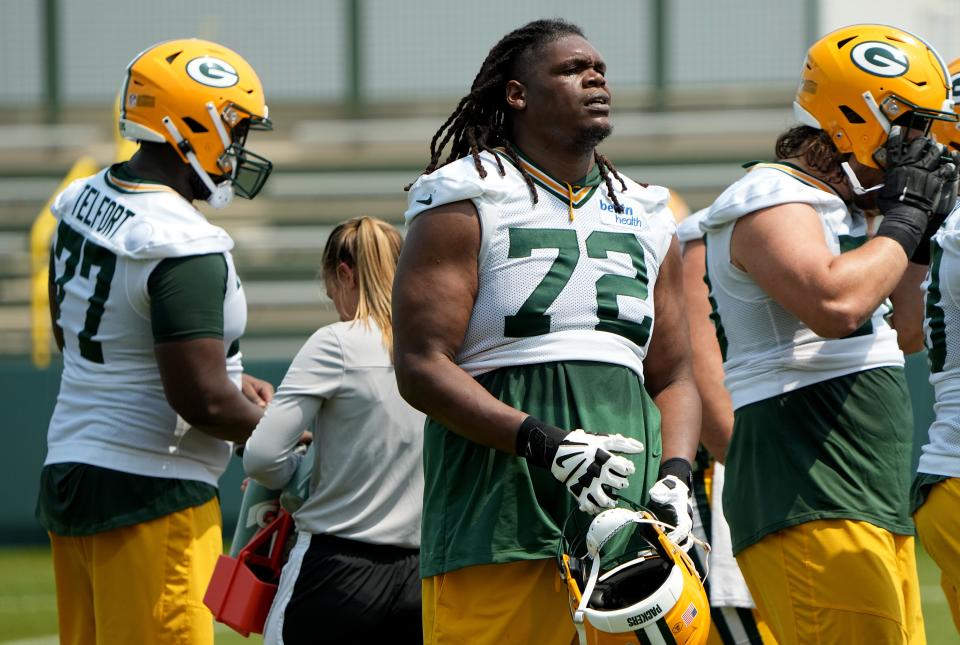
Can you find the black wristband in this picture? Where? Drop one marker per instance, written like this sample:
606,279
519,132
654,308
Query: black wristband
679,468
537,442
905,226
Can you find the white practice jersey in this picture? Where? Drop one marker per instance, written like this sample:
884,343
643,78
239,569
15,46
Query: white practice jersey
941,454
111,410
767,350
566,279
689,229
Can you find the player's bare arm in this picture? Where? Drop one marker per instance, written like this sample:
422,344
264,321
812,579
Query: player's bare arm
716,425
668,367
797,269
433,295
196,385
907,316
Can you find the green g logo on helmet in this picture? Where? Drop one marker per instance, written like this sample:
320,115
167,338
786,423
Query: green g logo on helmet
212,72
880,59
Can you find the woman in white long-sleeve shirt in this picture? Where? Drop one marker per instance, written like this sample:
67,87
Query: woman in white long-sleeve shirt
353,574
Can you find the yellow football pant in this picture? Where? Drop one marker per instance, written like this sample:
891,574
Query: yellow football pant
498,604
836,581
938,523
139,584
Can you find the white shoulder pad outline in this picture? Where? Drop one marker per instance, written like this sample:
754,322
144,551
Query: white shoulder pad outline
762,188
66,197
651,199
650,195
161,225
689,229
454,182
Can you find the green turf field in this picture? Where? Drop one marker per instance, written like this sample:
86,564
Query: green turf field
28,608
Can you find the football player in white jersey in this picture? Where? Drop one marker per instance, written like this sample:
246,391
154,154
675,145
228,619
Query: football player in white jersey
734,618
817,479
524,309
937,485
148,310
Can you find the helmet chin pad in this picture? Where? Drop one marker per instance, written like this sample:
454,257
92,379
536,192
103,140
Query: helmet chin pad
221,195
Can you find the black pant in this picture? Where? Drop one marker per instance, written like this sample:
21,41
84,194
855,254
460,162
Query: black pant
354,592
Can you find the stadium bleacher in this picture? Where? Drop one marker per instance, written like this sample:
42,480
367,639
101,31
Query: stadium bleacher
329,170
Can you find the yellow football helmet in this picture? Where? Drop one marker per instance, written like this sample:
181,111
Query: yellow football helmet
945,132
202,99
632,584
860,80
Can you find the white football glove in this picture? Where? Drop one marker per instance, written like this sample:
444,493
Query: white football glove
585,465
670,502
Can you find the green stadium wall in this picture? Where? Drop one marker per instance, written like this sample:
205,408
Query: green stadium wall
30,395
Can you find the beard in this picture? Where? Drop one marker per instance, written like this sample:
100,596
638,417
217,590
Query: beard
590,137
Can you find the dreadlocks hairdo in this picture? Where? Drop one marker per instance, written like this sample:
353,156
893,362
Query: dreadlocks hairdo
481,120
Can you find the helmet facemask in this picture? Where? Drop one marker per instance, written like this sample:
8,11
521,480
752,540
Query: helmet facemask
893,111
859,81
949,133
203,99
248,171
243,171
625,576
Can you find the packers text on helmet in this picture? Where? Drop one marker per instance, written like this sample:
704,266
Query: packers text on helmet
627,582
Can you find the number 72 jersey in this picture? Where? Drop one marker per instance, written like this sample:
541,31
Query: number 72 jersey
566,279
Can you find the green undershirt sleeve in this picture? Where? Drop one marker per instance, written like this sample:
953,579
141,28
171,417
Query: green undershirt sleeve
186,297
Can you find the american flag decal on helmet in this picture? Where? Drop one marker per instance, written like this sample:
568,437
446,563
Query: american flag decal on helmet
689,614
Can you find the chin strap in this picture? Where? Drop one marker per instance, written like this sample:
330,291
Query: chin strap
220,194
578,614
855,185
585,598
884,122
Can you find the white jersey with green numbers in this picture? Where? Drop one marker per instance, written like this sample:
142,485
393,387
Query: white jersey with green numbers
768,351
111,410
941,454
565,279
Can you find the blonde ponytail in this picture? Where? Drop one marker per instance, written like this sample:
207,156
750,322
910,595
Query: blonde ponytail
371,247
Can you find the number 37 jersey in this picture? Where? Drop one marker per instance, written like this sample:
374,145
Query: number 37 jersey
111,411
565,279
